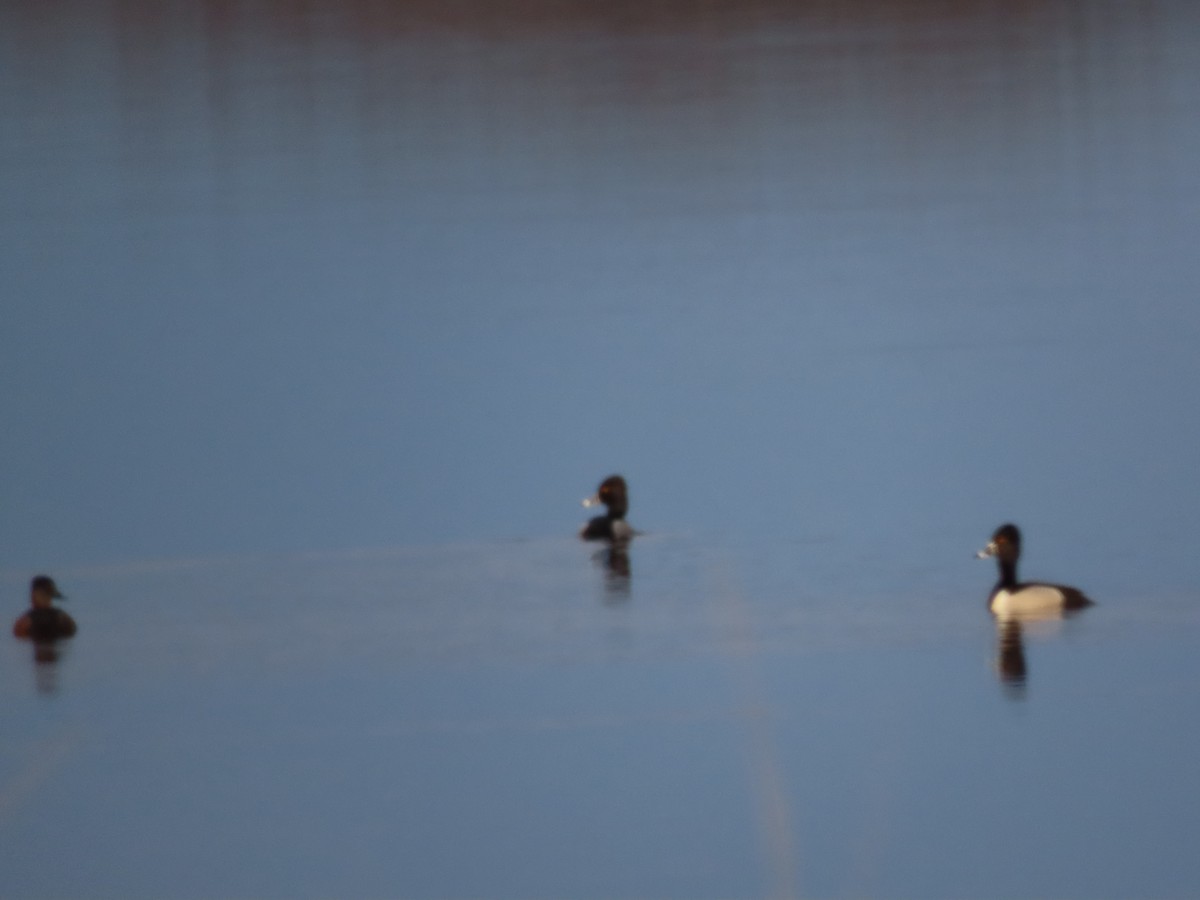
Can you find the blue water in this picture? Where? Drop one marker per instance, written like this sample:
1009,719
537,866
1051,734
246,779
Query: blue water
504,720
319,320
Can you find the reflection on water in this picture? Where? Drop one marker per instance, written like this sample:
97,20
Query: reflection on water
1010,660
46,657
1011,630
614,560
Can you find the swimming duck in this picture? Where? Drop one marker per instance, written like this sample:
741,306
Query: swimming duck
1012,598
44,621
614,495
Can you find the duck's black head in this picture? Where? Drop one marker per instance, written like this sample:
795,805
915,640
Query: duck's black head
1005,544
44,584
614,495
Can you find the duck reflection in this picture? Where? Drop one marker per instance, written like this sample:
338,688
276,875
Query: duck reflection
1011,631
614,560
46,656
1010,658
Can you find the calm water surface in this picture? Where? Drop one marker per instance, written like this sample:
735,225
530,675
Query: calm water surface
318,320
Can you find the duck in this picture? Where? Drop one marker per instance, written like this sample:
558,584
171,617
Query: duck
44,621
613,493
1011,598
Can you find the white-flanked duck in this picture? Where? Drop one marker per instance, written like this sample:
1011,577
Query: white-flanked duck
1011,598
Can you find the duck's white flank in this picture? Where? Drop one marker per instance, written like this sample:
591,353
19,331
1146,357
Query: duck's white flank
1034,598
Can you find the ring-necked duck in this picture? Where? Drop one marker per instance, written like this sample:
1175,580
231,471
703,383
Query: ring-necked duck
43,621
611,526
1011,598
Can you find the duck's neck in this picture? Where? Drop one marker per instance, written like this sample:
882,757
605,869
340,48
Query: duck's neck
1008,572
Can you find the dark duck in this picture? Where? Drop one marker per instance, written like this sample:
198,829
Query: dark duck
613,494
44,621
